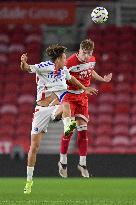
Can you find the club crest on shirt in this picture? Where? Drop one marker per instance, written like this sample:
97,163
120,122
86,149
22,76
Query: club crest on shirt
36,129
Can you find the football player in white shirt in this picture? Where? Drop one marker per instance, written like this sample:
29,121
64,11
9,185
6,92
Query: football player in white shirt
51,87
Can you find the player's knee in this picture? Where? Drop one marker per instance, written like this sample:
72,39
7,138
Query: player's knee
81,122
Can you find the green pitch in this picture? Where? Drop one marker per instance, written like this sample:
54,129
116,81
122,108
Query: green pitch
71,191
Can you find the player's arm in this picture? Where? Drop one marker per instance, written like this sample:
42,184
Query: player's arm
106,78
30,68
88,90
24,65
73,80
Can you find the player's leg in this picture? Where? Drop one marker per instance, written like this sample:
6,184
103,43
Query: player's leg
69,125
39,126
81,114
82,141
35,143
57,114
62,164
64,144
64,113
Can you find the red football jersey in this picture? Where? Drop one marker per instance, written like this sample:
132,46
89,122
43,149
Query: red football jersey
80,70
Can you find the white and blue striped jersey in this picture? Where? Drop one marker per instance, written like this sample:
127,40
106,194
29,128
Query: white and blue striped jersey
48,80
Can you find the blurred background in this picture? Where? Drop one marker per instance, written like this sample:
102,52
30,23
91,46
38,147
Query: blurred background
31,26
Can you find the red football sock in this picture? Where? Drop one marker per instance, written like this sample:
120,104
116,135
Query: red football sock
82,140
65,143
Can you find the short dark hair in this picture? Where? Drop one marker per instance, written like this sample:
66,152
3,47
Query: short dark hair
87,44
55,51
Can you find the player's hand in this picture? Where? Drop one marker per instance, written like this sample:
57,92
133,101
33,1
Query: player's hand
107,78
91,91
24,58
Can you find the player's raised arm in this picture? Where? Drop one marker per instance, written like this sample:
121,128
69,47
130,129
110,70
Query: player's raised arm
73,80
88,90
24,65
106,78
37,68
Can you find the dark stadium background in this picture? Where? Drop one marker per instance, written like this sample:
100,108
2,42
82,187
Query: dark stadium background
112,126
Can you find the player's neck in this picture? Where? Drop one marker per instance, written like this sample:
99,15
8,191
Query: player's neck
57,66
78,57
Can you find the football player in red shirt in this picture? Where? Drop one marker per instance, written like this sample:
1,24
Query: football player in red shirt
81,66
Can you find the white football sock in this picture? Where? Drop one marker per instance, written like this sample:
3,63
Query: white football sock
30,173
53,115
66,122
82,160
63,158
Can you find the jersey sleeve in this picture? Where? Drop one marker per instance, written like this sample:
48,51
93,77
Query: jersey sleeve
32,69
67,74
37,68
42,67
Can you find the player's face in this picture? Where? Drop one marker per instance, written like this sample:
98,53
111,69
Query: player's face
62,60
84,55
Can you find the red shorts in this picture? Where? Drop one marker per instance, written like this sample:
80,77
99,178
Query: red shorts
78,104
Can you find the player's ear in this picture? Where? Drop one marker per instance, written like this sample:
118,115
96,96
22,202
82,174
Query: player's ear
57,60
